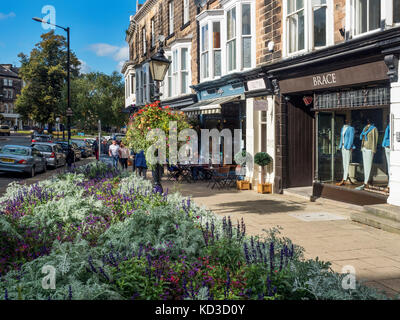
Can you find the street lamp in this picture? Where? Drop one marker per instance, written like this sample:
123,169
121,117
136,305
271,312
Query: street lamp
68,67
159,65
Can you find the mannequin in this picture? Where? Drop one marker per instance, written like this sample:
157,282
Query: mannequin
347,146
386,146
369,138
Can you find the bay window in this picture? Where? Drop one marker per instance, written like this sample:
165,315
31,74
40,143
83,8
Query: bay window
204,52
184,71
178,78
185,11
153,34
171,17
231,39
367,15
216,40
246,35
396,11
308,25
144,40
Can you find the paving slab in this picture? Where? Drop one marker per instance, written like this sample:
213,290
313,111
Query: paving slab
324,230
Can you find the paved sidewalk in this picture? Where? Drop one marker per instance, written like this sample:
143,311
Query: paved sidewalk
323,228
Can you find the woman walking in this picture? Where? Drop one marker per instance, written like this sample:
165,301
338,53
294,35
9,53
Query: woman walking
124,152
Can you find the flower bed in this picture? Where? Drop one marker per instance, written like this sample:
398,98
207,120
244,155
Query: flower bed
110,236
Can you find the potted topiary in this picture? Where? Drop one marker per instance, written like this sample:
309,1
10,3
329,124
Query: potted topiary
241,158
263,159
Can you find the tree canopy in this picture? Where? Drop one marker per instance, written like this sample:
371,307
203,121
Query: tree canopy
44,73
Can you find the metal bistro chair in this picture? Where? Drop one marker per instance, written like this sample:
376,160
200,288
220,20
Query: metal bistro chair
221,177
173,173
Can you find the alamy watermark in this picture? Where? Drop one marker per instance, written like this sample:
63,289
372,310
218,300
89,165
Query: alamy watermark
188,151
50,17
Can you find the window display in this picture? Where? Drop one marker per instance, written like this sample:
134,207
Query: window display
353,145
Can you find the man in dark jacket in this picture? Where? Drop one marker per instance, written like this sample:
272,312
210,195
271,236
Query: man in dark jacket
70,157
140,162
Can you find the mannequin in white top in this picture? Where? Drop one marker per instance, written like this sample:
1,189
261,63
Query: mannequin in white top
346,146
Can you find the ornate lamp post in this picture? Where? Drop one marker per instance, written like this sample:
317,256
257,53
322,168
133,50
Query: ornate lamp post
159,65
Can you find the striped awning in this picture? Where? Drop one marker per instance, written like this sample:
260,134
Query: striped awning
211,106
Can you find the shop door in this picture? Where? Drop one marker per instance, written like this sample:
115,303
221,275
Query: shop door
300,142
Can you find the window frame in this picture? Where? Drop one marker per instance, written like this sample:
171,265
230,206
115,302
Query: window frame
172,87
144,42
152,33
185,12
356,19
309,37
227,6
171,13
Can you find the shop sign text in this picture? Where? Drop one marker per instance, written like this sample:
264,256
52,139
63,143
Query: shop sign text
324,80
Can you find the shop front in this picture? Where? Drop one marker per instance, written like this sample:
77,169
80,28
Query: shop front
338,133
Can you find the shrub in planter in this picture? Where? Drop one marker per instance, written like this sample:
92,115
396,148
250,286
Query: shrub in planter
262,159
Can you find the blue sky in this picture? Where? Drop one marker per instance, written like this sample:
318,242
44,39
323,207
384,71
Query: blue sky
97,29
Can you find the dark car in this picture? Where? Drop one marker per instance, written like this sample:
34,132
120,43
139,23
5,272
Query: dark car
42,138
22,159
85,148
53,153
75,148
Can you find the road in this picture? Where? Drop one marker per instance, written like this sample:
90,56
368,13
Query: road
7,178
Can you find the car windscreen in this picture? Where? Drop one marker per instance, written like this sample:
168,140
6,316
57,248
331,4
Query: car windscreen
15,151
43,148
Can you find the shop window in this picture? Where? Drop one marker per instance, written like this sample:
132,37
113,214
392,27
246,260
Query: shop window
350,140
367,15
396,11
231,39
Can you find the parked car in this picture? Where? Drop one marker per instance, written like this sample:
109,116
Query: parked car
42,138
53,153
74,146
22,159
85,148
5,130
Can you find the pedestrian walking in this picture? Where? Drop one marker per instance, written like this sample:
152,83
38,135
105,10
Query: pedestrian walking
124,153
70,157
96,146
141,164
133,157
114,153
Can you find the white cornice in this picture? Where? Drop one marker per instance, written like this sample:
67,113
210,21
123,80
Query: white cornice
209,13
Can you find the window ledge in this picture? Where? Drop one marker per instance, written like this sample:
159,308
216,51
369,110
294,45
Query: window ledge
185,25
170,36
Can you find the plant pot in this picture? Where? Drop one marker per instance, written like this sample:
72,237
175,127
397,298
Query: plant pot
243,185
264,188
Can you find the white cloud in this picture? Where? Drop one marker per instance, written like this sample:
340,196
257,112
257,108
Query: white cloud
119,54
4,16
84,68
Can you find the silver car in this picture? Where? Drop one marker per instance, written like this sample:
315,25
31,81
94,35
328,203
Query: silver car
53,153
22,159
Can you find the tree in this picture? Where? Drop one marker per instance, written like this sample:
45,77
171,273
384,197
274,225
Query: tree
45,75
97,96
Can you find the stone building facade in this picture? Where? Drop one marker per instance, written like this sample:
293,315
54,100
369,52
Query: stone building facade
279,70
10,87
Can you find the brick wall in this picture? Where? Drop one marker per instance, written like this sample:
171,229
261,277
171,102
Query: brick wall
339,8
268,28
158,10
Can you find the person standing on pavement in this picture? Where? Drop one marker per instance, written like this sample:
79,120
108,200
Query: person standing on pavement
70,157
124,153
141,164
96,146
114,153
